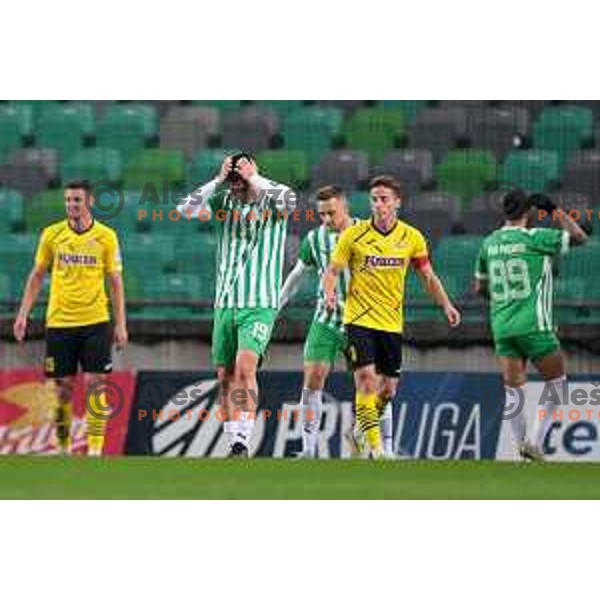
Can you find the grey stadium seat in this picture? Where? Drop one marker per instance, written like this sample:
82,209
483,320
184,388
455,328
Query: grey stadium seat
438,130
582,175
434,201
348,168
497,129
29,179
250,128
411,167
434,224
46,158
188,128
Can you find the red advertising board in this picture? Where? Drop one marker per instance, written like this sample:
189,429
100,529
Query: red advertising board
27,403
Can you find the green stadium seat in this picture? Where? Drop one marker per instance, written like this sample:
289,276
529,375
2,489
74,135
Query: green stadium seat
223,105
34,108
154,166
563,129
533,170
374,130
44,209
410,108
312,129
359,204
285,166
465,173
455,258
93,164
22,114
302,305
281,107
206,164
10,134
196,252
63,127
12,208
81,112
17,252
126,128
175,287
414,292
145,115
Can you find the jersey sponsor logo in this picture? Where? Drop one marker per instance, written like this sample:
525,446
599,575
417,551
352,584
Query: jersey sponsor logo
85,260
384,261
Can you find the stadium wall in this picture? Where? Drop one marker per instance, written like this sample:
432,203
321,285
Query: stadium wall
172,355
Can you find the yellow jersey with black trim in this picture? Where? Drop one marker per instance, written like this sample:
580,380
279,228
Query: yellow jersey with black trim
78,264
378,265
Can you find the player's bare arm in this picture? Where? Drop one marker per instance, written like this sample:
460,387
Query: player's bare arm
330,280
197,202
293,281
436,290
543,202
118,301
30,295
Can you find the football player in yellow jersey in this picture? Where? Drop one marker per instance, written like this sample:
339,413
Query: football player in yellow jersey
379,252
79,252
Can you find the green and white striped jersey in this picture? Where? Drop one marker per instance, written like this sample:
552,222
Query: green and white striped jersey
517,265
315,251
250,253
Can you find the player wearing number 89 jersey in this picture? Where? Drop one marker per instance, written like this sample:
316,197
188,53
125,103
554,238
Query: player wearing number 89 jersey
514,270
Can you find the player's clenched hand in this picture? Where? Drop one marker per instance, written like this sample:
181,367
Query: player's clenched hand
452,315
246,168
20,328
121,336
225,170
330,301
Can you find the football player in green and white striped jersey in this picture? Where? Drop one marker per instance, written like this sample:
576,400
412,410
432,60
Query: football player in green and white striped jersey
252,216
326,338
514,270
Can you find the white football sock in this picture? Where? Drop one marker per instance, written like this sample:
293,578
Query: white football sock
516,396
543,424
387,430
230,428
312,408
245,426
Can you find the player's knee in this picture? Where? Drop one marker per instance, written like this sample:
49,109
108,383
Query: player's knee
315,378
224,376
366,381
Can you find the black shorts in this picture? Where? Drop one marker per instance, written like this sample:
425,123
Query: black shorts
68,347
374,347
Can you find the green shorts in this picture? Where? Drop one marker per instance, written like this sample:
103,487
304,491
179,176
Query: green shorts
236,329
532,346
324,344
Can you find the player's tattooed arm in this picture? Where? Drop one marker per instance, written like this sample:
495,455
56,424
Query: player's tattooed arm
436,290
293,281
34,284
330,279
480,287
118,301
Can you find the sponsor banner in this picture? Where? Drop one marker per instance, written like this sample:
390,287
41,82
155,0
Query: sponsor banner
27,404
575,431
436,415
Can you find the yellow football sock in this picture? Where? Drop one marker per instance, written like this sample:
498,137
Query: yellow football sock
63,419
368,420
381,403
96,423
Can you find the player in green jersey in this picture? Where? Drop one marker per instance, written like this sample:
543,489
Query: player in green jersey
514,270
251,215
326,338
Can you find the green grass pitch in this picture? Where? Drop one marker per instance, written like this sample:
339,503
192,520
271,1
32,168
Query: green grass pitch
52,477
